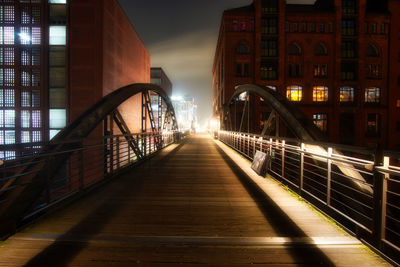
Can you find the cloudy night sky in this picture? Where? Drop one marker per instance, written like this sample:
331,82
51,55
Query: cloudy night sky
181,36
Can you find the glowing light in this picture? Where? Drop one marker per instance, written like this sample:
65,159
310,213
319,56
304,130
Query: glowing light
177,98
25,38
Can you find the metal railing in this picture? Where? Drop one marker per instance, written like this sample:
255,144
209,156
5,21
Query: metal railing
88,162
359,188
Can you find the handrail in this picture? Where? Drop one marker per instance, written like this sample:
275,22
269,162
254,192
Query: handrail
368,207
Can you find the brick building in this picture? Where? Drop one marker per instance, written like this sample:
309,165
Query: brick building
158,76
58,57
338,60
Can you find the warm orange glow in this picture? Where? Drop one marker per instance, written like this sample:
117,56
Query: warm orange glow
320,94
294,93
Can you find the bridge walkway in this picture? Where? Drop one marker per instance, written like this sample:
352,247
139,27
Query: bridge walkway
196,203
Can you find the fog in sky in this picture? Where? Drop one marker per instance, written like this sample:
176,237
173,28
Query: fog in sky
181,36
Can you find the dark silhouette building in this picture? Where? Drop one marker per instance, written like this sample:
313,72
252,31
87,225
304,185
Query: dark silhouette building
338,60
158,76
57,58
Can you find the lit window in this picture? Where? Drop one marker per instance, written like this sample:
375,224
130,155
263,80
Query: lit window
7,77
374,71
243,26
25,119
58,118
346,94
320,70
294,93
25,137
7,98
321,121
7,56
7,14
7,138
398,103
7,35
320,94
242,96
57,1
372,95
58,35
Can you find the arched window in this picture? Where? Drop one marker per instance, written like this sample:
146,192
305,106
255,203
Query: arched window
321,50
294,93
372,51
294,49
242,48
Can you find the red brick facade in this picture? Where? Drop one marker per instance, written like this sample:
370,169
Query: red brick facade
344,54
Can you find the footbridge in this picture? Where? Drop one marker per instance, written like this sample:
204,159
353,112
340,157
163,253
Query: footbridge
101,195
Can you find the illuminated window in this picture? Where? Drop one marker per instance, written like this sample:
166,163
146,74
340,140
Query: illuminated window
321,121
242,96
320,94
294,49
242,48
7,138
30,98
373,124
398,103
269,48
269,70
346,94
372,95
7,77
30,15
30,57
58,118
58,1
269,26
7,35
7,56
7,14
58,35
372,51
321,50
320,71
294,93
374,71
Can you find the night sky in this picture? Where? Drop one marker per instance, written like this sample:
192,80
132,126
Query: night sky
181,36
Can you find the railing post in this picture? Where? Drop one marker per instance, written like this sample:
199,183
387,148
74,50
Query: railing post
248,145
301,183
254,146
379,188
283,157
386,163
117,152
329,177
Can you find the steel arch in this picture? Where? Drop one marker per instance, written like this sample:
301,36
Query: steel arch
22,193
294,118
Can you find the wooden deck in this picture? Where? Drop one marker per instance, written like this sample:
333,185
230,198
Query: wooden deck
190,205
